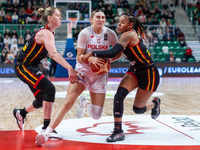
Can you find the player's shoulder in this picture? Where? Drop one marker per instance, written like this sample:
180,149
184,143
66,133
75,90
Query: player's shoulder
109,31
85,31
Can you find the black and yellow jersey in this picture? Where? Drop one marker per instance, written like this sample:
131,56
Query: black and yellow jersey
33,52
138,55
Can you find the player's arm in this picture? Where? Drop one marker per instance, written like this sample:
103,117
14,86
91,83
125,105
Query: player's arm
123,42
49,42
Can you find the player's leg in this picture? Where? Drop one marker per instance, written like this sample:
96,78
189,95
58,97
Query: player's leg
74,90
128,83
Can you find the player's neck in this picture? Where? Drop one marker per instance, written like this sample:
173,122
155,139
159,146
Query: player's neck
98,30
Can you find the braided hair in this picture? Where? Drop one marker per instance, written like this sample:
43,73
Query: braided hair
137,25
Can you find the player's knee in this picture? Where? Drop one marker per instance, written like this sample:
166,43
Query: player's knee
50,94
139,110
95,111
37,103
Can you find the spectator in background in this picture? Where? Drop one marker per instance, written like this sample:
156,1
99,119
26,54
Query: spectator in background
155,36
2,13
160,35
14,18
164,14
125,4
84,8
9,7
75,34
142,18
7,18
146,12
170,57
22,13
7,40
29,12
10,57
14,44
140,11
181,38
1,41
21,41
177,30
15,7
188,54
169,14
155,22
119,4
14,33
14,50
46,4
34,6
150,36
7,33
41,5
3,56
168,35
46,66
109,13
28,36
157,9
13,39
27,32
162,22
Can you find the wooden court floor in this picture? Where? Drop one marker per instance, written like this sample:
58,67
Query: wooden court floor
181,98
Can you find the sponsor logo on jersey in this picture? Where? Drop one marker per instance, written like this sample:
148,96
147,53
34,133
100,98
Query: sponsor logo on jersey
97,46
105,37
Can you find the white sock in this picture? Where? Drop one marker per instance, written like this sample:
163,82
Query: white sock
48,131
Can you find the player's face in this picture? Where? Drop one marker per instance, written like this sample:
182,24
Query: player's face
98,19
124,24
56,18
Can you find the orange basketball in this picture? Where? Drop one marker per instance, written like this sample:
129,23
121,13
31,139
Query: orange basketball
102,68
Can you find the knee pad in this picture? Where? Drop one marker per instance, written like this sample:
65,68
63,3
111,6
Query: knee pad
48,89
95,111
37,103
49,95
119,102
139,110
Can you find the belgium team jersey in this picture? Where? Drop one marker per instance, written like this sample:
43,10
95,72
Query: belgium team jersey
138,55
33,52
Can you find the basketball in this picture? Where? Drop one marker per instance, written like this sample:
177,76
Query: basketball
101,68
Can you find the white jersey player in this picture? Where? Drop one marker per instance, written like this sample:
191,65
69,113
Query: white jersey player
95,37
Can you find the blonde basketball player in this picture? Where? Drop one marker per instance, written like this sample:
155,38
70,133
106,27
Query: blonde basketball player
94,37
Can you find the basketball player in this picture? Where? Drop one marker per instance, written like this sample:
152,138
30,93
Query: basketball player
142,74
26,68
96,36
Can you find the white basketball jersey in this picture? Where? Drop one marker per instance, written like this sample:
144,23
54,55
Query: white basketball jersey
90,41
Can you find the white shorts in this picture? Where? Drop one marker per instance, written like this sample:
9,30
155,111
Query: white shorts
94,83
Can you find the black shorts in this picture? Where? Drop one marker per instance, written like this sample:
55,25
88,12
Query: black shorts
148,78
29,74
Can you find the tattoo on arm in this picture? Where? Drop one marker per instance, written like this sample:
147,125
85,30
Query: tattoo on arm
125,39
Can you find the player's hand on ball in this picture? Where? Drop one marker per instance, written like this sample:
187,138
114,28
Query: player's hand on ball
86,57
96,61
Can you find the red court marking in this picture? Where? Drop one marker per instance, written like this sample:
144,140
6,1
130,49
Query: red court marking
25,140
174,129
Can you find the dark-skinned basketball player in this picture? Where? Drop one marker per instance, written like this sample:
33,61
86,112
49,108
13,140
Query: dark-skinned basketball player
142,74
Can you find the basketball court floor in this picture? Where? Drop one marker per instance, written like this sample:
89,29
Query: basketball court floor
177,128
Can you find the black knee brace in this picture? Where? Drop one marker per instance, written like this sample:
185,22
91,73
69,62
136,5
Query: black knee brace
139,110
37,103
48,88
119,102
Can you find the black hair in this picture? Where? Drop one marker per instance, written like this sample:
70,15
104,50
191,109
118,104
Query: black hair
137,25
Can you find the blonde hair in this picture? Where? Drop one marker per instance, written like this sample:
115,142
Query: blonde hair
45,13
95,11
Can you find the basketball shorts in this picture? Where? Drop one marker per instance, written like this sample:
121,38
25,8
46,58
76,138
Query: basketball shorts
148,78
94,83
29,74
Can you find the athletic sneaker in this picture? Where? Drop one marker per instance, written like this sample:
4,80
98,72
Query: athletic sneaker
117,135
19,118
155,112
41,138
81,109
53,135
